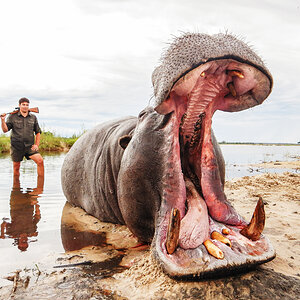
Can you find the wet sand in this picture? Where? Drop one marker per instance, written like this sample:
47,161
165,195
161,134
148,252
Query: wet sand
118,268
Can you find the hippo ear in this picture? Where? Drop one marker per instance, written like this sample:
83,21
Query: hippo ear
124,141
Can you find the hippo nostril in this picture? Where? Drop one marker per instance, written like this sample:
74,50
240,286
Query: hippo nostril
142,113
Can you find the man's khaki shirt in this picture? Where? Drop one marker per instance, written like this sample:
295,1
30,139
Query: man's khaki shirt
23,128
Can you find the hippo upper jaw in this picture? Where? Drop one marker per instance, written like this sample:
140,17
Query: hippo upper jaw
198,232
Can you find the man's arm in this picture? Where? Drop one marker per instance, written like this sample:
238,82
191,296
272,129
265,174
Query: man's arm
3,123
35,146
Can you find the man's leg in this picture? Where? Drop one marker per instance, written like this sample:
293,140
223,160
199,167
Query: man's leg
16,165
38,159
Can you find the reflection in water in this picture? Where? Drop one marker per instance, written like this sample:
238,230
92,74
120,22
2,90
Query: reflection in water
24,214
76,240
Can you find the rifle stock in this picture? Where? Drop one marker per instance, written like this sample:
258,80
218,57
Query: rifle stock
33,109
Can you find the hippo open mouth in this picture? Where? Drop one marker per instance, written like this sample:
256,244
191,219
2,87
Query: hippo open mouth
198,231
166,180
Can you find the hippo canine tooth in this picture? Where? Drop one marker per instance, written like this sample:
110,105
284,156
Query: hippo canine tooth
173,231
254,229
219,237
236,73
213,250
232,89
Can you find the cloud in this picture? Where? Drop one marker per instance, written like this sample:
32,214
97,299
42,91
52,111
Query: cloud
83,62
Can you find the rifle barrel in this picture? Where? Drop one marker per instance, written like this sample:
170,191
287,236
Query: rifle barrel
33,109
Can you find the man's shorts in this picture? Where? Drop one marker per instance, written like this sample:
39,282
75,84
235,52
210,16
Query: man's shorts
18,151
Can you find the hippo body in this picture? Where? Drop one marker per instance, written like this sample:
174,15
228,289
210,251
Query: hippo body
90,170
92,177
162,174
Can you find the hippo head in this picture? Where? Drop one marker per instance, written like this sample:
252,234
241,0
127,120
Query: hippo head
175,167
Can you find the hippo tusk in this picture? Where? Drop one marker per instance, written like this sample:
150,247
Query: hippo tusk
213,250
173,231
254,229
219,237
232,89
236,73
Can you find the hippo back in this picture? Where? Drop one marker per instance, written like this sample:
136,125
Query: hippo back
90,170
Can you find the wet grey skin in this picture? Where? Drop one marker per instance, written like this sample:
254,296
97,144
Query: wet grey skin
162,173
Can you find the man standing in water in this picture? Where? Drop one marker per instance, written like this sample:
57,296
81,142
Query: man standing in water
23,125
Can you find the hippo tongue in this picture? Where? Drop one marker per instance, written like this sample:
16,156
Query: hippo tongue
194,228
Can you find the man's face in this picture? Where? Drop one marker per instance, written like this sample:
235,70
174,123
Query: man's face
24,106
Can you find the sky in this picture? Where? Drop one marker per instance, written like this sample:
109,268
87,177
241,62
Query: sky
83,62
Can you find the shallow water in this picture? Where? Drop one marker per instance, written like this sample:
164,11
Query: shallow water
239,157
30,213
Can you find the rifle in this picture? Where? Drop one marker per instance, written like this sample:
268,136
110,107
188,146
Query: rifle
34,109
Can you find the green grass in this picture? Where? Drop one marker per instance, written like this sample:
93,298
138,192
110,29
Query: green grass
49,142
4,143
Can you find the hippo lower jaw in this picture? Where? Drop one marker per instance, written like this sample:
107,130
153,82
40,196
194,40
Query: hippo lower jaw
198,232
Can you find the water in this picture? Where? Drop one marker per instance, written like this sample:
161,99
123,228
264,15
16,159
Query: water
239,157
32,211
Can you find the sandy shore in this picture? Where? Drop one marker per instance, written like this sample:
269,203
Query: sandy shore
124,271
281,194
279,165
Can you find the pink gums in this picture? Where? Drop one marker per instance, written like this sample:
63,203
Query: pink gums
219,208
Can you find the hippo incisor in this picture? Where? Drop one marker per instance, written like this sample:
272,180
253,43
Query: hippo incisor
162,174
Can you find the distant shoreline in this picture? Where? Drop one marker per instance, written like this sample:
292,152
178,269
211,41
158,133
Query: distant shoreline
259,144
52,143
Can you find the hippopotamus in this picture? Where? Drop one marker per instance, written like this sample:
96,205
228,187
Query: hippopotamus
162,173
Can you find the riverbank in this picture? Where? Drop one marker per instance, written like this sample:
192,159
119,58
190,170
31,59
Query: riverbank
49,142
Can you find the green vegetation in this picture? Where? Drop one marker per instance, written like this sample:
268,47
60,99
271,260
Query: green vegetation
49,142
4,143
